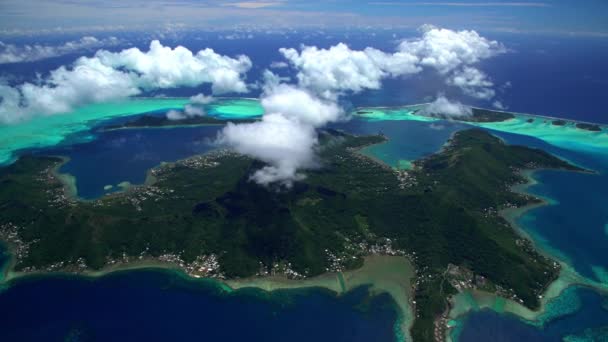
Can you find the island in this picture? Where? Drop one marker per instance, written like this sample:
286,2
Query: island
559,122
477,115
143,121
204,216
589,127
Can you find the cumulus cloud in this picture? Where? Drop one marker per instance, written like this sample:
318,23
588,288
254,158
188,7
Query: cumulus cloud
201,99
110,76
473,82
88,80
164,67
445,50
189,111
278,65
444,108
175,115
11,53
286,136
285,144
300,105
340,69
498,105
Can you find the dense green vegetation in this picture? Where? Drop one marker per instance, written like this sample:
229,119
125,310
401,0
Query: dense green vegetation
479,115
559,122
486,115
163,121
589,127
443,212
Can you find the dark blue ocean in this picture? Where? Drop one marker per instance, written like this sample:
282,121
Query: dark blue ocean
590,323
159,305
125,155
574,226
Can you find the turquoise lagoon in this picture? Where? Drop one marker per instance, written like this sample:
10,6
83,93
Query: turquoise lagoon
104,161
69,128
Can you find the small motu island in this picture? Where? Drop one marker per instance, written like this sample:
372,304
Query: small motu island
420,235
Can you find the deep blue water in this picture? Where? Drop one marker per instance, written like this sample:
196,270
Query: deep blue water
116,156
157,305
487,325
574,226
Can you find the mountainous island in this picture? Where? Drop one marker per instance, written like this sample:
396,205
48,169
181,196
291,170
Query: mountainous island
203,215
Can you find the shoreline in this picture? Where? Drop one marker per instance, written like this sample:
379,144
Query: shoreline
380,272
603,125
473,300
384,274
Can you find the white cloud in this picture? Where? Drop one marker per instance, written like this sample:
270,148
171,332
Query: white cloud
472,82
10,53
87,81
188,112
175,115
444,108
498,105
110,76
285,144
286,136
164,67
278,65
446,50
201,99
300,105
191,110
339,69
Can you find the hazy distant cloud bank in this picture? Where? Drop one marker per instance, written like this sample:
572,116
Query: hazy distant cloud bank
114,75
11,53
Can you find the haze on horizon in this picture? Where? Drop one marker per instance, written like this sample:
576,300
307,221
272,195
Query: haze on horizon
561,17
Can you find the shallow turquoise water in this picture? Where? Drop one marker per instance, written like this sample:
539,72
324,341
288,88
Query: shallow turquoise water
68,128
408,140
101,160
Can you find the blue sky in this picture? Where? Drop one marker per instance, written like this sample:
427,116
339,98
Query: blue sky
565,17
